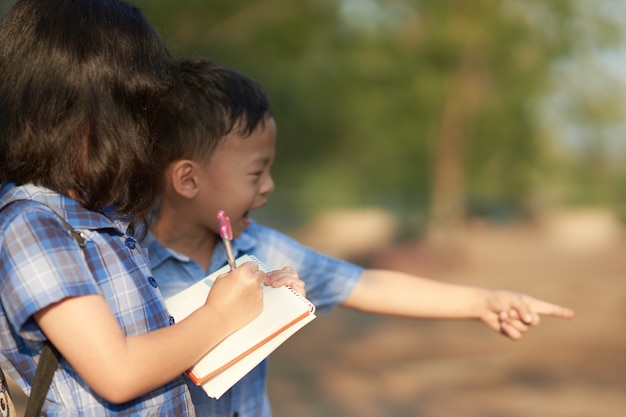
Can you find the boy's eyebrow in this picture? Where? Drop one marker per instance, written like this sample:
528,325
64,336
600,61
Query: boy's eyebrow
262,159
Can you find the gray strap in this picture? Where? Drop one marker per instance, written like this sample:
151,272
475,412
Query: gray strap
48,363
49,359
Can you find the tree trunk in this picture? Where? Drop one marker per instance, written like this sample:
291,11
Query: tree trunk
448,208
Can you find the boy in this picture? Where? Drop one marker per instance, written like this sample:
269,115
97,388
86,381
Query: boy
220,135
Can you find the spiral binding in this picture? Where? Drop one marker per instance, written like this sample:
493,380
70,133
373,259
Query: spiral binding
264,268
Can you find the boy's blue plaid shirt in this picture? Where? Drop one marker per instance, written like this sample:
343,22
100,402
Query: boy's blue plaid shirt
328,283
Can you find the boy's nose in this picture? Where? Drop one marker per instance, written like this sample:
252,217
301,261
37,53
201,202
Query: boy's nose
268,186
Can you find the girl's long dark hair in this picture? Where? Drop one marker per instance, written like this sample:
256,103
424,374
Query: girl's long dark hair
79,80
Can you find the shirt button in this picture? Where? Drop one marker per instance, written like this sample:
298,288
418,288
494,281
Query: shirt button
152,282
172,320
130,242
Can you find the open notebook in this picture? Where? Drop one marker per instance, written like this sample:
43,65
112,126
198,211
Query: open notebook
284,313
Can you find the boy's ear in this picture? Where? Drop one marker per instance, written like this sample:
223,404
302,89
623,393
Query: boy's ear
183,177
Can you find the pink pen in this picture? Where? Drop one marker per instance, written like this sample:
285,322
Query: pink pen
226,233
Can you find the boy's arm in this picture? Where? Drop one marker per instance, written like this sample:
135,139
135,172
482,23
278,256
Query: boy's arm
396,293
120,368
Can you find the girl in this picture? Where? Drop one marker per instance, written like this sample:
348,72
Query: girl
78,79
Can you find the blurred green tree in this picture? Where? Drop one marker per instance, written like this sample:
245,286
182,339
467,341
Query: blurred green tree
431,108
419,104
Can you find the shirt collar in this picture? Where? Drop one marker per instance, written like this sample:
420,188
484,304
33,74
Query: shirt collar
71,210
159,253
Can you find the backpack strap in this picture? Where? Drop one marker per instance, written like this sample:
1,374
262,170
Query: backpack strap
76,235
50,356
48,364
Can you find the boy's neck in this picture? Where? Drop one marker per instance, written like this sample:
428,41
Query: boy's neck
192,241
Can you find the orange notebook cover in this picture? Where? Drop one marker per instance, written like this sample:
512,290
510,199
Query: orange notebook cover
284,313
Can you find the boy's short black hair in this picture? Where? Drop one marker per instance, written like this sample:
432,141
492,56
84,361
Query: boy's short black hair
208,102
78,82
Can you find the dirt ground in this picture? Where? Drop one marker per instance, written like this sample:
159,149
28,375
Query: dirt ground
350,364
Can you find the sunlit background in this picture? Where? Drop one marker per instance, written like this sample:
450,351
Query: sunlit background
435,110
477,142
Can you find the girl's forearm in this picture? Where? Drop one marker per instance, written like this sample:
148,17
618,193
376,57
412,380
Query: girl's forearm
121,368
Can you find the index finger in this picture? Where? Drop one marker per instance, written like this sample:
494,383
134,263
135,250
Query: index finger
549,309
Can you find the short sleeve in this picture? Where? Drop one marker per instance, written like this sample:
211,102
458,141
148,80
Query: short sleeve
329,281
40,264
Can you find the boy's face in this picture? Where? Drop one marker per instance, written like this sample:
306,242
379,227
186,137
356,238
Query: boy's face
237,177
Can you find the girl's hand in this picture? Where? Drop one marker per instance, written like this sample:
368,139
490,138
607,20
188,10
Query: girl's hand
237,296
286,276
512,314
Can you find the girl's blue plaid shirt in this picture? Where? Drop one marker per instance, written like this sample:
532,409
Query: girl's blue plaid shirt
40,264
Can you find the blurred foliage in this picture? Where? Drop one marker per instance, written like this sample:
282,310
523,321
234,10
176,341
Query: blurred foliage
402,103
360,90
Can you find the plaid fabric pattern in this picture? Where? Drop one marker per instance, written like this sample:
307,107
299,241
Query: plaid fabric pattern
328,282
40,264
